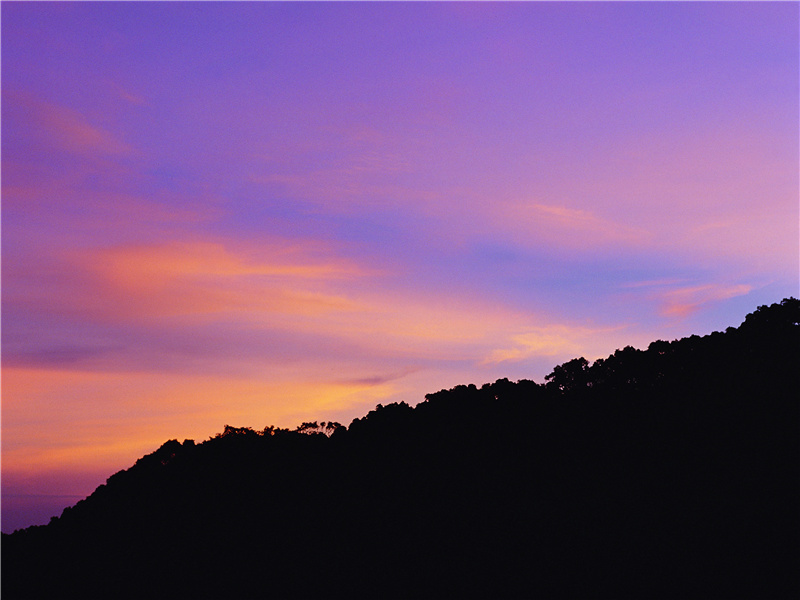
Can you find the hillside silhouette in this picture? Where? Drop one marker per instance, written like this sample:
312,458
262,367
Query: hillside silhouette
670,472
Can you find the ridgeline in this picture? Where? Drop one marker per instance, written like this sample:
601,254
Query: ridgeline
671,472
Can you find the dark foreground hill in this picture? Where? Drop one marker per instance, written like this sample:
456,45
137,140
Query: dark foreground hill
672,472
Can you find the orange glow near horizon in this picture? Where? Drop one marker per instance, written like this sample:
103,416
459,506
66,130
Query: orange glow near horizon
122,418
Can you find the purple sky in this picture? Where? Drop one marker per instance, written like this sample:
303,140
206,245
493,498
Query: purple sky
263,213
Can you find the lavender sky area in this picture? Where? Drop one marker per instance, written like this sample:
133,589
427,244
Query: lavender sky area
265,213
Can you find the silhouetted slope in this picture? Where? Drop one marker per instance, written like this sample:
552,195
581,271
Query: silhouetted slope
669,472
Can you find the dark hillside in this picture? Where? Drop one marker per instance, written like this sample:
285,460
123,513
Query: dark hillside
660,473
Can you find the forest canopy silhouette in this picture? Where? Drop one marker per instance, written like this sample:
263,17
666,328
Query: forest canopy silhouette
667,472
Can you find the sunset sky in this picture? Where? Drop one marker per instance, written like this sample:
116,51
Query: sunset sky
266,213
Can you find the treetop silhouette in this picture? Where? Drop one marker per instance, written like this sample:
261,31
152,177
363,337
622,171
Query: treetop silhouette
666,472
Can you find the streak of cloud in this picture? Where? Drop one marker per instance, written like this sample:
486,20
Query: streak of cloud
49,125
687,300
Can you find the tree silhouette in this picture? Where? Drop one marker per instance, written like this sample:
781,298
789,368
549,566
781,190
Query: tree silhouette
661,473
572,376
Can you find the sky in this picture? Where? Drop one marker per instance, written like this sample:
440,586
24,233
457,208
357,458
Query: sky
268,213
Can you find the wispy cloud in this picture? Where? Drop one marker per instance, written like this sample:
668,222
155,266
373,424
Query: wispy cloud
124,93
533,223
380,379
552,340
52,125
686,301
653,283
183,278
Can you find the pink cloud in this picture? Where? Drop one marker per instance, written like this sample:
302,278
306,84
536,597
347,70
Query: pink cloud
561,226
59,126
66,202
713,191
124,93
685,301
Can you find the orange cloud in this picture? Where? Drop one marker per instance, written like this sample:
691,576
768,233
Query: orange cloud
554,340
204,278
201,259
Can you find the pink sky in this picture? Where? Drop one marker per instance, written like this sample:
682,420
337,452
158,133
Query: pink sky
264,213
